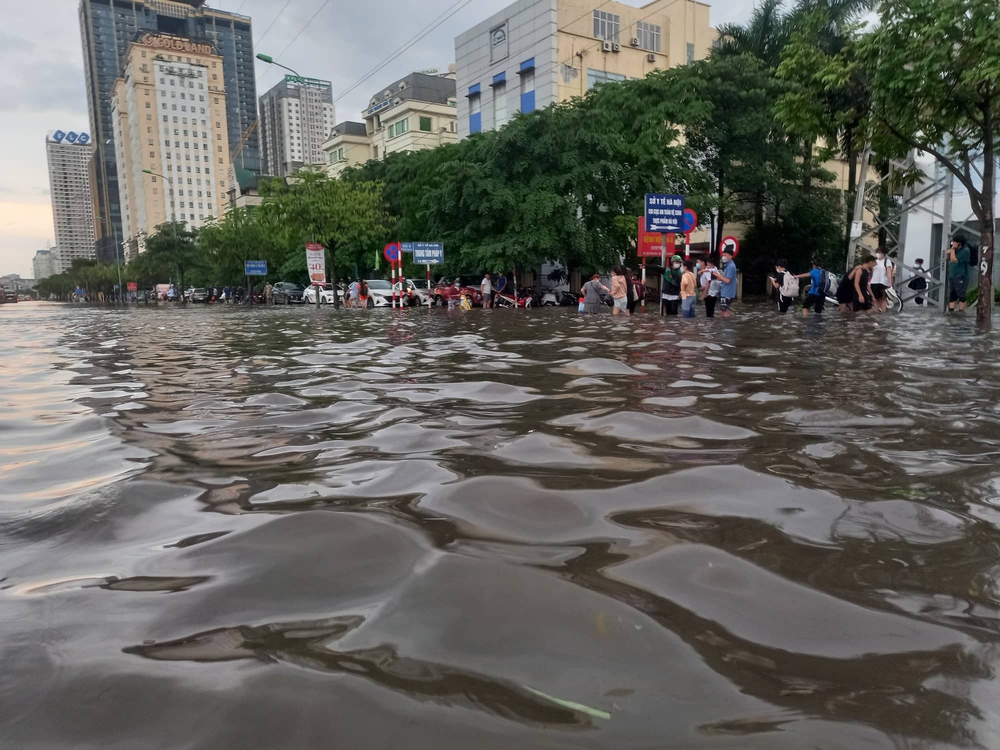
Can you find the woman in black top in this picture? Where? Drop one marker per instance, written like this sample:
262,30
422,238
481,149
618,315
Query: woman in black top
854,293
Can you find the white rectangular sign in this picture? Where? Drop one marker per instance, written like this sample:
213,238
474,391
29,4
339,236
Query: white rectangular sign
316,262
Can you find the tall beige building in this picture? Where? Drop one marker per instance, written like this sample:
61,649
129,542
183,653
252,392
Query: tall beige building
169,119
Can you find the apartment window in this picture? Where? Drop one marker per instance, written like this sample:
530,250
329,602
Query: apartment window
597,77
475,114
527,74
148,105
499,105
690,53
649,36
607,26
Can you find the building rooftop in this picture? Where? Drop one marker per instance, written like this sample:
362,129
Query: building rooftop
349,128
420,87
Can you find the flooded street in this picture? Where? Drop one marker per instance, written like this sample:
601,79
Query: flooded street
290,528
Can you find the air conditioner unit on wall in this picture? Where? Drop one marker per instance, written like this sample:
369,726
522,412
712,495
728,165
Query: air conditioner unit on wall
651,57
616,47
635,41
607,46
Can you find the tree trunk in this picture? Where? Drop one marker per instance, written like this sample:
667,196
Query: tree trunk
807,162
984,308
852,188
333,275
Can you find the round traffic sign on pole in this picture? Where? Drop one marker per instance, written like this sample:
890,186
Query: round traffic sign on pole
391,252
729,245
690,221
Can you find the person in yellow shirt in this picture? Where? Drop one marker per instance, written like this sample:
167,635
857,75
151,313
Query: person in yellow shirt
688,295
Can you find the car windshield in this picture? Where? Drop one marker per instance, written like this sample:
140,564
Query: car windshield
292,287
379,284
200,291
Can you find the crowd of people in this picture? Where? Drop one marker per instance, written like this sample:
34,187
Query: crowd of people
867,288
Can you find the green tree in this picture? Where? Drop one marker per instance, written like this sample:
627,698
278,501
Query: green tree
933,70
347,217
174,247
825,98
764,36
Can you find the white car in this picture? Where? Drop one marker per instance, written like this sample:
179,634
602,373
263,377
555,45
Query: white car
326,295
419,292
379,293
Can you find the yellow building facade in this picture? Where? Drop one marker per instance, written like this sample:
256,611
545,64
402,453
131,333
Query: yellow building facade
539,52
171,136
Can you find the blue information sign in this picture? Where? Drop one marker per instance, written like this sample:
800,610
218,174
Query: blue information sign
256,267
664,213
426,253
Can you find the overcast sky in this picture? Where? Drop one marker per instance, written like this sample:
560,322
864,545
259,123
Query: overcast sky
42,88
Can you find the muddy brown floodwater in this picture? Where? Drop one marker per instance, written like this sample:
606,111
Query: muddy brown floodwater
290,528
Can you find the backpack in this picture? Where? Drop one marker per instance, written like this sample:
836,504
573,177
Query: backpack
789,285
973,256
832,283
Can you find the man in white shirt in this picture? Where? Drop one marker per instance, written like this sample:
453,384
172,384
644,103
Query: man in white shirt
486,290
882,278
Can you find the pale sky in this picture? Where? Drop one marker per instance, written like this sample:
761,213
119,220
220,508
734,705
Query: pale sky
42,88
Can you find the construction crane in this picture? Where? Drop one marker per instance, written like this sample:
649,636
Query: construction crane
243,141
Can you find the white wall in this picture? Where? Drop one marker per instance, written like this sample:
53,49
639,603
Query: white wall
531,33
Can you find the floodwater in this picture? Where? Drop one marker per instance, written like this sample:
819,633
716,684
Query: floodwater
290,528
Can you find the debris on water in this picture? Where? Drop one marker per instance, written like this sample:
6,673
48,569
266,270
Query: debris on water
596,713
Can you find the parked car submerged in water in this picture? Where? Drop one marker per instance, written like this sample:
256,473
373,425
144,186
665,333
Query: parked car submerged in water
287,293
326,294
468,286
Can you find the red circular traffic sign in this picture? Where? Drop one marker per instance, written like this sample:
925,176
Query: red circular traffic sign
690,221
729,244
392,252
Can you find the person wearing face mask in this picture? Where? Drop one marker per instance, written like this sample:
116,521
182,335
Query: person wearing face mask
671,301
728,276
882,278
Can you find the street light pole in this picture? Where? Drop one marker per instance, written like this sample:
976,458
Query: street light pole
270,61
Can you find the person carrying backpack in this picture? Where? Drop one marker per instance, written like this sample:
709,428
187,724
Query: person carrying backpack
819,288
919,281
787,285
960,261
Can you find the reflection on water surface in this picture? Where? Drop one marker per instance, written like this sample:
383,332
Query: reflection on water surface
291,528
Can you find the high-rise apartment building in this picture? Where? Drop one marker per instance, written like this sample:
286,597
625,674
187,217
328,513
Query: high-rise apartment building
108,28
171,136
538,52
296,117
44,264
69,155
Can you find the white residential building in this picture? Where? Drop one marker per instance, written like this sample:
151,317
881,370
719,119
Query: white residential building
44,264
70,183
296,117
